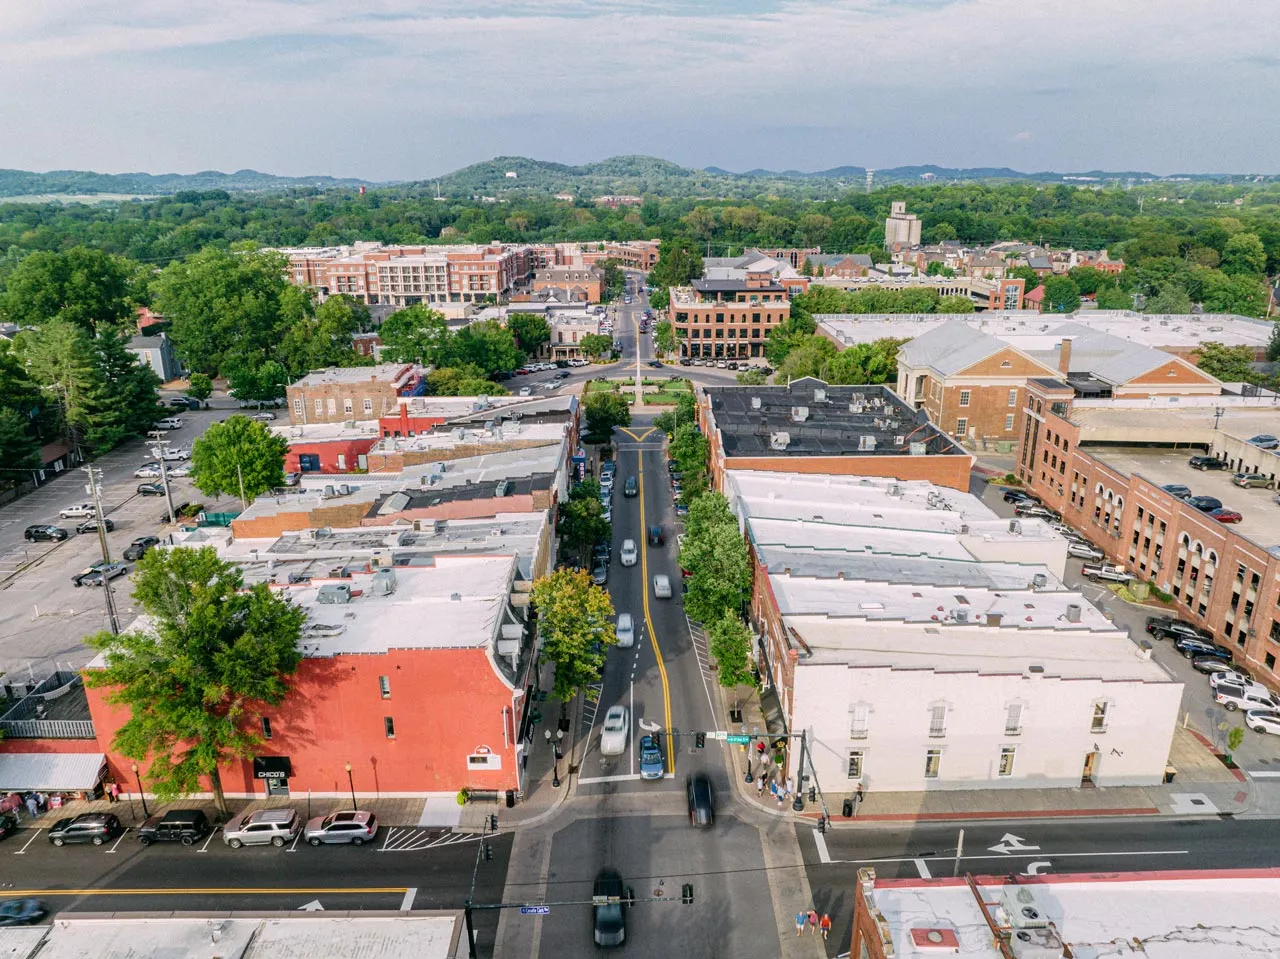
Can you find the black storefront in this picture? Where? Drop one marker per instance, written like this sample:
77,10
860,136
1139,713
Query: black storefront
275,772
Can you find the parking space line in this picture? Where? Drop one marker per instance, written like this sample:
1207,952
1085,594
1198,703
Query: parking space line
212,832
391,831
118,842
294,847
35,832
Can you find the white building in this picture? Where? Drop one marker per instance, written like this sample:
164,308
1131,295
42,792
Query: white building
901,228
922,642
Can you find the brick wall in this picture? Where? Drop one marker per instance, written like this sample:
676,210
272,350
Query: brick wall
947,470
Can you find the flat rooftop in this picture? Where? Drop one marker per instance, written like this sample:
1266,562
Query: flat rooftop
395,373
810,418
1213,915
445,440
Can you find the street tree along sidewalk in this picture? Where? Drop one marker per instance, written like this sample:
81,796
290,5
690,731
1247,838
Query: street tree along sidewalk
196,677
685,411
604,412
238,457
581,522
730,643
575,623
719,572
690,450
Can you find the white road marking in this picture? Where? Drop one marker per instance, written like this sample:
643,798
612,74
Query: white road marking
1010,843
819,840
923,869
118,842
294,847
212,833
407,902
312,906
1037,867
34,834
625,777
1055,855
1263,774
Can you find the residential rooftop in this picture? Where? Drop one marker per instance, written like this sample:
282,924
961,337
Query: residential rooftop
395,373
810,418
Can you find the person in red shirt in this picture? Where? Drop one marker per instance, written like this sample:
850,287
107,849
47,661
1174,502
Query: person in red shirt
825,925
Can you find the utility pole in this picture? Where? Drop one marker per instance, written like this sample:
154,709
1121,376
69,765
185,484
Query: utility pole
240,477
101,522
158,450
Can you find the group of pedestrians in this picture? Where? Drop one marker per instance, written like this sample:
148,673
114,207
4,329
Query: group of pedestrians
814,922
779,788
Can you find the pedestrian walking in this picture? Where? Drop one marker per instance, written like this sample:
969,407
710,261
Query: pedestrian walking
760,785
773,788
813,921
33,805
800,921
114,791
782,795
825,925
760,749
790,784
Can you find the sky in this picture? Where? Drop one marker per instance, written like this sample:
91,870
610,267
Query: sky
409,89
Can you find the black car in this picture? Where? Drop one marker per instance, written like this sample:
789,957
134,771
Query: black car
1204,503
94,827
602,551
631,487
1206,463
138,548
187,826
1016,496
1193,648
20,912
1165,627
151,489
562,375
656,364
1177,489
91,526
609,917
655,536
8,824
180,510
36,534
1211,664
685,361
702,811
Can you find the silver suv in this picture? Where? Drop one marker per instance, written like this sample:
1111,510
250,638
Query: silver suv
275,826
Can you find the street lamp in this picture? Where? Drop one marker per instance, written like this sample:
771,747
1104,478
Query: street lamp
351,783
145,811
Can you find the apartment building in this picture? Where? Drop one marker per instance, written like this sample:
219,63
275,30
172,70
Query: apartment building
339,394
729,313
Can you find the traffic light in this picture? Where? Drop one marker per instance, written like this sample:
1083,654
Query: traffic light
700,739
822,824
493,822
686,894
813,794
488,851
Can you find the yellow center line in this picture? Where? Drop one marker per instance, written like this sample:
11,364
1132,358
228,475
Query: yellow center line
638,438
216,891
648,619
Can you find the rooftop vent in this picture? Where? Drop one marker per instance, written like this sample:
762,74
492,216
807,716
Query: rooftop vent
1015,526
819,396
799,413
1073,612
334,594
779,440
1039,581
755,402
964,529
895,489
960,615
455,597
383,582
866,443
994,618
919,449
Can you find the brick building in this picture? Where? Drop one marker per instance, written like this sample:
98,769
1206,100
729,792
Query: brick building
340,394
580,284
730,316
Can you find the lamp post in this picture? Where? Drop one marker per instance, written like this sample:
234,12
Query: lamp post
145,811
351,783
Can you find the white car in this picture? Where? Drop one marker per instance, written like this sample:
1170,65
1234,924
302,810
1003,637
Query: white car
613,735
1235,679
526,391
629,554
170,423
80,510
625,631
263,417
662,586
1263,721
1084,550
176,455
180,471
150,471
578,362
1238,697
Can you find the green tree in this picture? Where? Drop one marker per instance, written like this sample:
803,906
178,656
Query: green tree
938,268
19,448
84,286
1089,279
708,510
467,380
322,336
531,332
679,262
122,400
808,357
719,572
1242,293
1171,299
581,522
416,334
59,359
690,449
223,306
486,344
1231,364
1060,295
752,378
257,382
596,344
213,654
576,627
664,337
604,412
954,304
861,363
1273,343
239,457
685,411
730,643
199,386
615,281
1030,277
1114,298
1244,255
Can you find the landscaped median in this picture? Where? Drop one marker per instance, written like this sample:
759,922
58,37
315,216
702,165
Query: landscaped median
656,392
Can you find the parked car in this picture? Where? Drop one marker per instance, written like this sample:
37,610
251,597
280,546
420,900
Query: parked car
1209,665
91,526
1177,489
178,472
1233,697
629,554
702,807
625,630
104,573
179,402
8,824
1253,481
45,533
656,537
352,826
631,487
176,455
656,364
20,912
608,914
600,573
187,826
662,586
1264,441
151,489
1098,572
613,734
1018,496
1206,463
274,826
1223,679
1033,510
1165,627
602,551
147,471
175,423
1263,721
181,510
94,827
264,417
1084,550
78,578
1224,515
685,361
1204,503
1193,648
78,511
652,765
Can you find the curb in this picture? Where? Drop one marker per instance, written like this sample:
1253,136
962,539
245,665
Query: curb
566,783
841,821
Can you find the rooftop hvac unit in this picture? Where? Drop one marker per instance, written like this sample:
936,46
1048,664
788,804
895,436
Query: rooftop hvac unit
819,396
383,582
895,489
855,407
439,526
1039,581
755,402
349,424
779,441
328,493
960,615
964,529
866,443
334,594
1036,944
919,449
899,439
344,490
1022,909
459,433
799,413
1015,526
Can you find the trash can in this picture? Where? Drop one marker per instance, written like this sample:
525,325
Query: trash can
848,807
511,798
1169,772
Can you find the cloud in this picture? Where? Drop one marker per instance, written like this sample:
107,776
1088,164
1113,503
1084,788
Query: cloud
1021,137
409,88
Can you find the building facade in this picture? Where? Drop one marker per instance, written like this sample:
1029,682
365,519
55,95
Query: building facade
342,394
730,318
901,229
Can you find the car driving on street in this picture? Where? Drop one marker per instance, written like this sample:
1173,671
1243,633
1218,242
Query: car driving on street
613,734
651,763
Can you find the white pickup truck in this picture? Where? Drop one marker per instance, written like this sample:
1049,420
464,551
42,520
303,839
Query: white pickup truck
1097,572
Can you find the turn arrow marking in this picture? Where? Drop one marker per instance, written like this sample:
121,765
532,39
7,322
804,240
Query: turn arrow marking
312,906
1037,867
1011,843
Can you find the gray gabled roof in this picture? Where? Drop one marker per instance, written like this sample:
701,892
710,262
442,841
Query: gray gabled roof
1108,358
951,348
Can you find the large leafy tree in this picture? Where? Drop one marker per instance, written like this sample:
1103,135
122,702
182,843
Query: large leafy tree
488,345
238,457
664,337
416,334
468,380
604,412
861,363
719,572
196,677
679,262
19,448
321,337
581,522
122,400
199,386
690,449
596,344
1231,364
1244,255
1061,295
808,357
531,332
730,643
84,286
683,412
260,380
575,624
228,306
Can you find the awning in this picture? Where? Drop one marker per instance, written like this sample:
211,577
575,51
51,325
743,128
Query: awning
51,772
271,767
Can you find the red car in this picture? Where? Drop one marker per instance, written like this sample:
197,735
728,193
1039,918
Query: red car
1224,515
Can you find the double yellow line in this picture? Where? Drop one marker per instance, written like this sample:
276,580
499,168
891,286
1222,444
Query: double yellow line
648,618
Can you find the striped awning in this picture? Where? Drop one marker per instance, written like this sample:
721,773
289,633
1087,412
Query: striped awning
52,772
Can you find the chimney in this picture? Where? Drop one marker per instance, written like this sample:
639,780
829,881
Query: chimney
1064,356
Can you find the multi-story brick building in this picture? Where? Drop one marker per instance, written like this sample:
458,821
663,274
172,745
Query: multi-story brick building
337,395
580,284
730,314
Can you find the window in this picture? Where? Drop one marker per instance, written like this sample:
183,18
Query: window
384,686
932,762
1013,397
962,425
342,461
1006,759
858,717
1270,660
297,406
319,407
1013,719
389,725
1099,724
266,728
348,406
484,760
1008,422
855,763
937,721
333,405
964,397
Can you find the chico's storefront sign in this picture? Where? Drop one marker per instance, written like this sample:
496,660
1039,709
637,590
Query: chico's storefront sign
271,767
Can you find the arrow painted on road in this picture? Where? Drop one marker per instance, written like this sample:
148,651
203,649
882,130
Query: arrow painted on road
648,725
1037,867
312,906
1011,843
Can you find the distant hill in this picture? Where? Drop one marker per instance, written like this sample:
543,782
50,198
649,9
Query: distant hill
81,182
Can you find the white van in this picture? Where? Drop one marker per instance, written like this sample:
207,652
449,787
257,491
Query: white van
625,631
